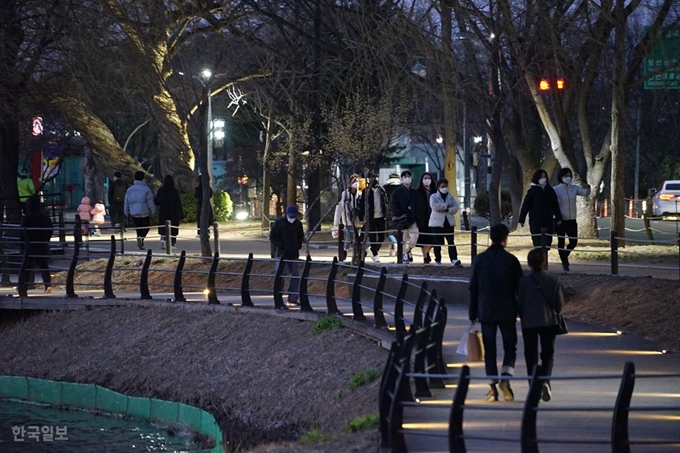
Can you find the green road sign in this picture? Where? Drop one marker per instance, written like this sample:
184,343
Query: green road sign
662,65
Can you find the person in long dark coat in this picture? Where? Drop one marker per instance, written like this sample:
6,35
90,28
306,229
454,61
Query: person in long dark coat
541,204
36,232
426,240
170,208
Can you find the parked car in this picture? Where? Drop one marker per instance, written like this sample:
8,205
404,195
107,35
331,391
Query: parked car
666,202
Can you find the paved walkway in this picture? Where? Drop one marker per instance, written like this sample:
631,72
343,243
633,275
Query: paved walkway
587,350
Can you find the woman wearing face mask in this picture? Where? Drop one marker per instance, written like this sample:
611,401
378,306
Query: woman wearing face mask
566,196
426,240
348,211
442,221
540,203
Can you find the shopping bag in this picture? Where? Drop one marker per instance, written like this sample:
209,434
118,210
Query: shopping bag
462,344
475,347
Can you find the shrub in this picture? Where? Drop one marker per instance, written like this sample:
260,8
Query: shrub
224,207
326,323
363,377
363,423
314,436
189,207
482,207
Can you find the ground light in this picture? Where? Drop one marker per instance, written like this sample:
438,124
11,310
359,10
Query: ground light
241,215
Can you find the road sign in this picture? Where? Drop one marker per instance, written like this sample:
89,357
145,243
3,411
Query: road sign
662,65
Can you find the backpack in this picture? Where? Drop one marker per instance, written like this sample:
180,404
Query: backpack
119,191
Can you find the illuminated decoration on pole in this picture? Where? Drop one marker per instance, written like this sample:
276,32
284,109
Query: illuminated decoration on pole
560,84
37,128
544,85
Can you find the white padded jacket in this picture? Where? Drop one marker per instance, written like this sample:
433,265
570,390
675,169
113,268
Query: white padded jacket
566,197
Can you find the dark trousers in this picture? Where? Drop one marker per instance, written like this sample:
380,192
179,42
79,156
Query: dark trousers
531,337
39,263
376,234
117,213
567,228
174,231
140,223
536,234
292,268
509,335
444,233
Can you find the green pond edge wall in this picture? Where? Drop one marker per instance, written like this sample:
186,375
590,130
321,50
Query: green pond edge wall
95,397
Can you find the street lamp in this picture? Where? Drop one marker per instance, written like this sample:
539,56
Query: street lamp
206,75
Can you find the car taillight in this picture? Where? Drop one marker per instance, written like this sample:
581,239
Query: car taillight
666,196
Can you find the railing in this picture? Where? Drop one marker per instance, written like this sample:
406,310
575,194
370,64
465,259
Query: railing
395,396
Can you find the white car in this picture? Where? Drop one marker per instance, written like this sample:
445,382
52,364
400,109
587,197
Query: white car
666,202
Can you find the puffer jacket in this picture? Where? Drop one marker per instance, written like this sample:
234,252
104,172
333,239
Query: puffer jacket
98,214
348,211
566,197
84,209
139,200
437,204
533,308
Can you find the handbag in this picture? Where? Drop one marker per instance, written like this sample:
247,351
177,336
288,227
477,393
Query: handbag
400,222
561,323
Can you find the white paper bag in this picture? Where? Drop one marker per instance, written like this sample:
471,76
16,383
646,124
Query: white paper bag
462,345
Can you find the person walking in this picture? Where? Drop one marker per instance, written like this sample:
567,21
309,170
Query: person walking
198,194
540,299
540,203
98,216
376,197
139,205
169,208
443,208
117,190
493,302
566,193
392,184
404,205
348,212
35,234
25,187
425,189
84,211
287,236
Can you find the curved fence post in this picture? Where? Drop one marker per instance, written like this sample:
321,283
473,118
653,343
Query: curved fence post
399,307
358,312
167,239
422,337
620,443
177,283
304,294
144,280
331,304
378,313
456,437
71,274
385,396
614,250
108,272
212,292
432,320
342,253
278,284
246,301
528,438
400,391
473,243
438,334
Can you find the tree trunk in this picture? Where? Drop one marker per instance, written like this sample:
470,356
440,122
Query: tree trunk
291,186
618,220
9,165
94,180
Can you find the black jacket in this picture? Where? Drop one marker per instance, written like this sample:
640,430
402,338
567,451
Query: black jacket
405,201
287,238
493,286
541,204
423,214
38,241
169,205
369,194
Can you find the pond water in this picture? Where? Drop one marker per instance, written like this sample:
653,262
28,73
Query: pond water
46,429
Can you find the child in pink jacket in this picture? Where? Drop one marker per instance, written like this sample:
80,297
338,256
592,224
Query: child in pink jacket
98,216
84,209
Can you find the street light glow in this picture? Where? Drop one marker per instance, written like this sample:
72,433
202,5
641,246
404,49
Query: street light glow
206,74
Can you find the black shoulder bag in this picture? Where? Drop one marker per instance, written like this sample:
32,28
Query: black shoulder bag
561,323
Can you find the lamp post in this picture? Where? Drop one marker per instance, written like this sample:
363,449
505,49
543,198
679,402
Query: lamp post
206,169
467,158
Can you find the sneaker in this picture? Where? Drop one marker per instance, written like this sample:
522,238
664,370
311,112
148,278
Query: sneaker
375,258
508,394
565,267
492,395
48,290
456,263
410,256
405,259
174,248
437,263
198,236
546,395
162,244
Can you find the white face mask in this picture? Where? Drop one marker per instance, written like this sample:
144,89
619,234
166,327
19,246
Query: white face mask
291,219
427,181
406,180
444,190
542,181
566,179
355,185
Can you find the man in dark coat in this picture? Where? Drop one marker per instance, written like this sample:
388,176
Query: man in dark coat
287,236
169,208
36,233
405,202
117,190
493,301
